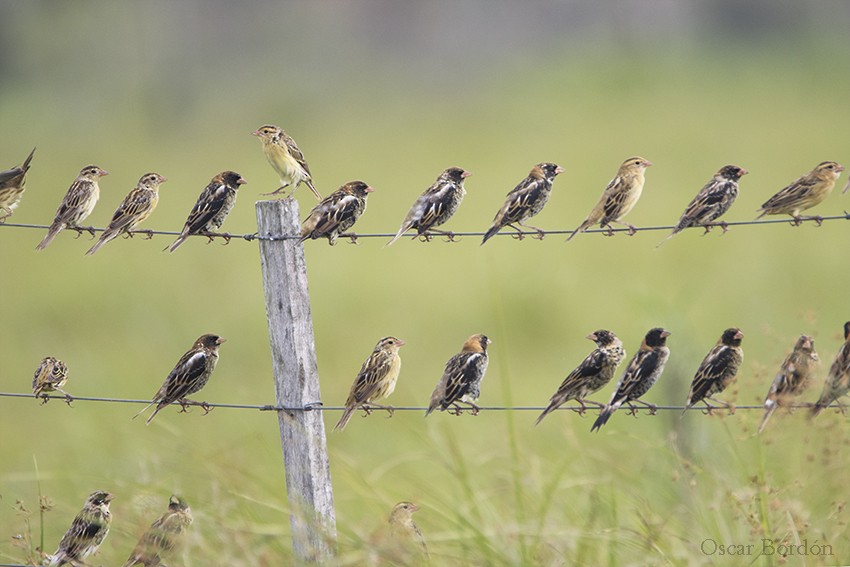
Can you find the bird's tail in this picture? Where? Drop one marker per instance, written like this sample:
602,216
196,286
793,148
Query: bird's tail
26,164
346,417
144,409
764,211
819,406
54,229
549,409
312,187
490,233
604,416
676,231
104,238
176,244
401,231
584,226
769,407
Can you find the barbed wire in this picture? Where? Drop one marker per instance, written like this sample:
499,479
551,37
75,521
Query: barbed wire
319,406
452,236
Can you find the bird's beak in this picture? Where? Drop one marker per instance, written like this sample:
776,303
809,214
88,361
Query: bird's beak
591,337
646,163
559,169
162,179
255,133
241,181
739,335
220,340
368,189
401,342
839,168
665,333
744,172
103,172
465,174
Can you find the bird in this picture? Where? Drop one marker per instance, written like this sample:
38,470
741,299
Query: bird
642,373
525,200
399,541
214,204
712,201
12,186
718,369
88,530
838,380
136,207
189,375
164,536
375,381
336,213
793,377
50,376
594,372
804,193
77,204
435,205
287,160
619,197
461,381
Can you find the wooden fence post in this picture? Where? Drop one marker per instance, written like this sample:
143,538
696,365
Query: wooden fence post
296,379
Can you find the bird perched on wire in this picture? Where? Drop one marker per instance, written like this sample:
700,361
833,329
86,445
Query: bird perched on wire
594,372
287,160
375,381
336,213
793,377
642,373
718,369
12,186
712,201
77,204
50,376
136,207
399,541
619,197
838,380
189,375
804,193
525,200
214,204
461,381
88,530
436,205
164,536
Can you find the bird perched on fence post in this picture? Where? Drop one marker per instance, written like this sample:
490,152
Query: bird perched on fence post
712,201
461,380
619,197
594,372
642,373
189,375
164,536
136,207
717,370
50,376
336,213
77,205
12,186
88,530
838,380
435,205
375,381
287,160
213,205
804,193
525,200
793,377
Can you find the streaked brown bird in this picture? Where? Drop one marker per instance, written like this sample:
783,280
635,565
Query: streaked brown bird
213,205
643,372
400,541
718,369
164,536
837,382
436,205
793,377
189,375
594,372
287,160
525,200
804,193
336,213
12,186
77,204
712,201
375,381
136,207
88,530
50,376
619,197
461,380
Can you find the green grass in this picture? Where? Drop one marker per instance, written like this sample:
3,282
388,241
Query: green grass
493,489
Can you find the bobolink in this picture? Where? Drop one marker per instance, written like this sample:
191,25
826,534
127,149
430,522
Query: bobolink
164,536
213,205
12,186
793,377
287,160
461,380
838,380
376,379
718,369
50,376
804,193
88,530
136,207
336,213
77,204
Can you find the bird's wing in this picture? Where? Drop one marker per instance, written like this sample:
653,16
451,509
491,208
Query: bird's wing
460,372
179,382
210,202
335,211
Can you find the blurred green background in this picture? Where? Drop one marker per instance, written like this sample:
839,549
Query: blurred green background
393,93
